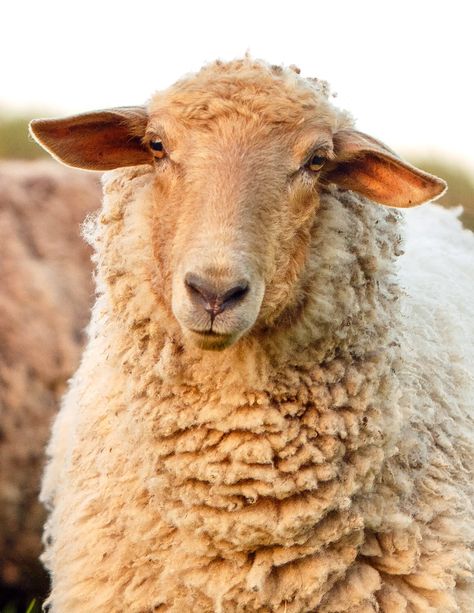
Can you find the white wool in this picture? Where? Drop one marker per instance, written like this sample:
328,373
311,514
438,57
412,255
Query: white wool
437,271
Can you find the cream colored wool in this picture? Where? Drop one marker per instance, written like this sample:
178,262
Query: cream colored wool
321,463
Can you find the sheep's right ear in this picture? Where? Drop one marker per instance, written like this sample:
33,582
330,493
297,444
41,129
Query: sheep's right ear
102,140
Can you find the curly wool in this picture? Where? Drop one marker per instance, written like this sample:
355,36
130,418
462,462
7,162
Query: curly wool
319,463
304,469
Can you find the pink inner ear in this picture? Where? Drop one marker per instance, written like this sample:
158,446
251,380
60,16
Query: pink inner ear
371,169
102,140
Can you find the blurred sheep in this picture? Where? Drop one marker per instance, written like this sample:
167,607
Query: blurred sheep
45,295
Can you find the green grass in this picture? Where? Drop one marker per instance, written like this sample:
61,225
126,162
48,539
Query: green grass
33,607
15,142
460,185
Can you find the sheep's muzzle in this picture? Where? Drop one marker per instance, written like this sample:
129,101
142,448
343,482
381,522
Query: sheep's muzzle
216,304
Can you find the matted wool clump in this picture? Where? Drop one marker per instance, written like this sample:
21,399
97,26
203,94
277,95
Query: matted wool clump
268,415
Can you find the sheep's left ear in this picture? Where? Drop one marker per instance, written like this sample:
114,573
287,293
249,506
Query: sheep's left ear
101,140
365,165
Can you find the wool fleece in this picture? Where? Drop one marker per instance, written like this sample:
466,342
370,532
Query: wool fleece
322,461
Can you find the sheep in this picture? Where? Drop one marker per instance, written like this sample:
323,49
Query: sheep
45,298
264,418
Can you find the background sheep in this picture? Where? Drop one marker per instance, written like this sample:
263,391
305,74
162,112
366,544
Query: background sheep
322,460
45,295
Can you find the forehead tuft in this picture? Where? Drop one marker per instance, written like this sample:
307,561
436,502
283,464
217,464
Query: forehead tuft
250,88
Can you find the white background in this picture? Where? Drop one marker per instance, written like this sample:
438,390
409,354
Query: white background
404,69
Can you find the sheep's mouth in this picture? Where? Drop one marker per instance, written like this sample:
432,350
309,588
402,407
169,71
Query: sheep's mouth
210,340
208,333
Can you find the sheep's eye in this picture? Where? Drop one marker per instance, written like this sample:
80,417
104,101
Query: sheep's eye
316,162
157,148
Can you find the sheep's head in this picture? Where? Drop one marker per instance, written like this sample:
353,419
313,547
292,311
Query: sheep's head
241,152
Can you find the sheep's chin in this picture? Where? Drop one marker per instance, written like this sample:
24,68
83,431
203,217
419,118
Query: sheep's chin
211,341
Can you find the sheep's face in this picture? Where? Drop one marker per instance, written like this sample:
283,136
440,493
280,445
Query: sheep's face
238,163
240,152
235,200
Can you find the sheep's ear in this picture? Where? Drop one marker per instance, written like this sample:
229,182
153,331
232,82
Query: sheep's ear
365,165
101,140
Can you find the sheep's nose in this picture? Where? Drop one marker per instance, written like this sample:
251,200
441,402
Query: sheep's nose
215,299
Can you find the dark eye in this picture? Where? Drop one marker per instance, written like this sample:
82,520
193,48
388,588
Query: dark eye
157,148
316,162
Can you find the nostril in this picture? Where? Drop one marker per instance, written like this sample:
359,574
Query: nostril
203,291
235,294
214,299
198,286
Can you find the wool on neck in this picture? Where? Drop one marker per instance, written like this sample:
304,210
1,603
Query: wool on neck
256,463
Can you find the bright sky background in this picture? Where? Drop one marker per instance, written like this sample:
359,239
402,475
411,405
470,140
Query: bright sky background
404,69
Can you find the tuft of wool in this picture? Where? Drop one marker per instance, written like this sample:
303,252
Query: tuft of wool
46,287
320,464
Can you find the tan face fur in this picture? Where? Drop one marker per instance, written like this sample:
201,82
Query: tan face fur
235,212
235,192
